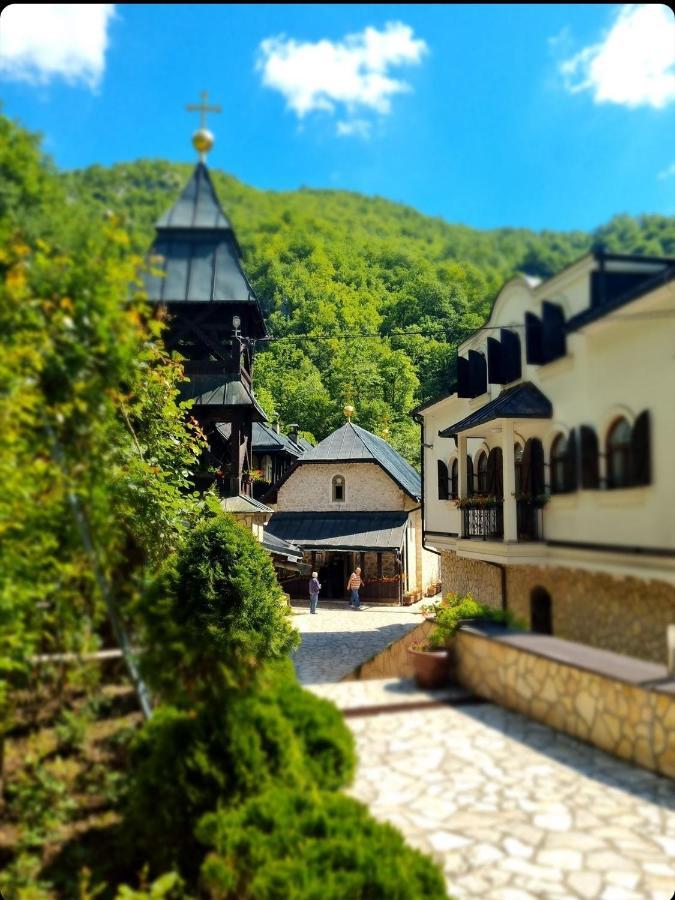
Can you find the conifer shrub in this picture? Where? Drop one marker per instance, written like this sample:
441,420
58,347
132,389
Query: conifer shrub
234,721
214,617
310,845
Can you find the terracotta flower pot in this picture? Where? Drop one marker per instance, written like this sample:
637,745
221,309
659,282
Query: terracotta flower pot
432,668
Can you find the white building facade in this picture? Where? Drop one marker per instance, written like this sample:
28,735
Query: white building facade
549,469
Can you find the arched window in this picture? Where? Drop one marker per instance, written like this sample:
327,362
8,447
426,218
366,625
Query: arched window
442,470
588,458
558,464
532,468
641,449
454,479
481,473
470,487
619,466
495,473
338,485
541,611
518,461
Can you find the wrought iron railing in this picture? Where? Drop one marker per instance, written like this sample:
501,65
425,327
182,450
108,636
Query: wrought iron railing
486,522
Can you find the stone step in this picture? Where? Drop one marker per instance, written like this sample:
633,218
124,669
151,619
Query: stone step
388,695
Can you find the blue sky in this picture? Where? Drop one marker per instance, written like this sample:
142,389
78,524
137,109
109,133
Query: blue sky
551,116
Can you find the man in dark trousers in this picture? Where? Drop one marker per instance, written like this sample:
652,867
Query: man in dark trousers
314,588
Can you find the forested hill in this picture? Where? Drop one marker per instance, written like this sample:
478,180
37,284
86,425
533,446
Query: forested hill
347,270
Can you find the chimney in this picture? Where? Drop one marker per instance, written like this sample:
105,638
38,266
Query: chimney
276,426
293,432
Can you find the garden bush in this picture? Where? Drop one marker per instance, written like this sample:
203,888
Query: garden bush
214,617
184,762
311,845
456,608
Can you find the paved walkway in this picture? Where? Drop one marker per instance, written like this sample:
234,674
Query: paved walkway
512,810
336,640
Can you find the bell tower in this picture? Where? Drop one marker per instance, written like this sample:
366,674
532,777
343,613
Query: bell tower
214,317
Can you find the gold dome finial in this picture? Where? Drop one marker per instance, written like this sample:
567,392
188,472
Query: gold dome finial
202,139
348,410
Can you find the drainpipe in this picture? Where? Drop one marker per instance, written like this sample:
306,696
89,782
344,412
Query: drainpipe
420,421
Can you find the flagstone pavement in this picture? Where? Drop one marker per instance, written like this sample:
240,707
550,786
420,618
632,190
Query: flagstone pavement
511,809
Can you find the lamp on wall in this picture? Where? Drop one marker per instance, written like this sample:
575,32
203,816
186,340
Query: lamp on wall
236,324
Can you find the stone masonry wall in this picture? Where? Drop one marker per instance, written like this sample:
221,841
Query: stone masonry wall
626,615
467,576
367,488
630,722
394,661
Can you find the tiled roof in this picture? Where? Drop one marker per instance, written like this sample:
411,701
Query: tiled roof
524,401
340,530
219,389
197,207
243,504
277,545
351,443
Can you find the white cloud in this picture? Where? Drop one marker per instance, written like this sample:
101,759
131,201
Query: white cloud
352,74
349,127
43,41
668,172
635,63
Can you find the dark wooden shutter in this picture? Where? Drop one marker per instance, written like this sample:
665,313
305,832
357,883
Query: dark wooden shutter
641,449
554,343
454,477
525,464
511,366
471,488
534,353
442,480
536,467
477,373
588,458
463,378
495,477
570,464
494,361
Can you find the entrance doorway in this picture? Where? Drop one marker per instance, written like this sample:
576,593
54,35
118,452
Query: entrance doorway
541,612
333,577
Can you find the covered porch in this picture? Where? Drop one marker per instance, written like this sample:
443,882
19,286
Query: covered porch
334,544
502,493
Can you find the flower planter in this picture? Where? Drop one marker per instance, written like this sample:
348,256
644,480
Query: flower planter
432,668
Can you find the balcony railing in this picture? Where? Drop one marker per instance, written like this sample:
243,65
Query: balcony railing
486,522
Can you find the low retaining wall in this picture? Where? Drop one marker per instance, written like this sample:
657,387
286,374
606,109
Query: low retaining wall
629,720
394,661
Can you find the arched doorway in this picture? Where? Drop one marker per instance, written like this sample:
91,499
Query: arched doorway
541,611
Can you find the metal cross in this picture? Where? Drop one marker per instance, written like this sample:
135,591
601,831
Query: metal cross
202,108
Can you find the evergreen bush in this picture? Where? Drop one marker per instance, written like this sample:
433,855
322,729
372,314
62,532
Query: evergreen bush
311,845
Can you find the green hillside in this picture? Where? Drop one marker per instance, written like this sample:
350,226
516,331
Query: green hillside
347,270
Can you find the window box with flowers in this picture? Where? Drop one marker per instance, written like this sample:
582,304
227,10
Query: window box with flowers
478,501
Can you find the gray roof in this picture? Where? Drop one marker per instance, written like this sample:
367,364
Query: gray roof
243,504
276,545
267,440
340,530
195,257
351,443
524,401
197,207
219,389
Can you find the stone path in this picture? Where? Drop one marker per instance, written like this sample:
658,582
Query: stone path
512,810
336,640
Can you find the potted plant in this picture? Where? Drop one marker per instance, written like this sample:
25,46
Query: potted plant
434,661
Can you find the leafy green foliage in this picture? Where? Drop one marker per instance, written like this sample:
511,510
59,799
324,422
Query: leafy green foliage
311,846
455,608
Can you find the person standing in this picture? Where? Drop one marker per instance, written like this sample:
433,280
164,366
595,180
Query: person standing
314,588
354,584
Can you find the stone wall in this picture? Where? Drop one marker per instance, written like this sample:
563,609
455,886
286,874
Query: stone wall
468,576
394,661
367,488
630,722
626,615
